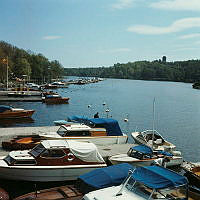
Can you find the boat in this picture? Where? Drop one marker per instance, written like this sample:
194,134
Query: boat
66,192
142,155
192,172
7,112
103,177
54,99
98,130
90,181
60,84
149,182
51,160
152,138
21,142
19,94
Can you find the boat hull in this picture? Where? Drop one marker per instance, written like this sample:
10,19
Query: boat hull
16,114
56,100
45,173
99,140
135,162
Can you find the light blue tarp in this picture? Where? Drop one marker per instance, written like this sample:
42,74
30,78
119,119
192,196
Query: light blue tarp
157,177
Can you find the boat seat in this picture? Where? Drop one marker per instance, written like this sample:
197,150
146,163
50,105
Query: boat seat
158,141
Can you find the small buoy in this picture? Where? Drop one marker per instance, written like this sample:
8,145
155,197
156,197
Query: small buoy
107,110
89,106
104,104
126,120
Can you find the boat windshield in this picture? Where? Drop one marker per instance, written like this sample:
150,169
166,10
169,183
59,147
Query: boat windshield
62,131
179,193
9,160
37,150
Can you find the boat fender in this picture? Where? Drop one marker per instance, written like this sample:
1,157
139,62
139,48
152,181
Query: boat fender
70,157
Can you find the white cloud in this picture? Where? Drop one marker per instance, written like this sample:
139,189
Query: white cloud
122,4
117,50
193,5
176,26
194,35
51,37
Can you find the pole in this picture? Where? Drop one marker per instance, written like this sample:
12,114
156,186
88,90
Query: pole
153,121
7,72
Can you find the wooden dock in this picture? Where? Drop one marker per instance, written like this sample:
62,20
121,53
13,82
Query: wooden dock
22,99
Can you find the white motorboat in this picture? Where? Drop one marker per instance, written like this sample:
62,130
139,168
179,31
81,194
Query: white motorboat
153,139
143,155
54,160
145,183
100,131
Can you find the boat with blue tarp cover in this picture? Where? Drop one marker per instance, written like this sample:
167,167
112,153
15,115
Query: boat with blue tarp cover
143,155
149,182
97,130
7,112
104,177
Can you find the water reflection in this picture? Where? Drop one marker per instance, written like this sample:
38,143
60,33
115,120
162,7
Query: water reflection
15,122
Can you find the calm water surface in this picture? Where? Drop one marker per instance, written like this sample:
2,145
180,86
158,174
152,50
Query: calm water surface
177,109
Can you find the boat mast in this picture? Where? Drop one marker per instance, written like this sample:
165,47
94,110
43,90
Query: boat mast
153,121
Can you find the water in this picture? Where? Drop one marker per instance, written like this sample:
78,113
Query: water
177,109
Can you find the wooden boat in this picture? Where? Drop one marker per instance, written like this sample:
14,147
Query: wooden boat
68,192
7,112
54,160
145,183
143,155
153,139
55,99
98,130
93,180
21,142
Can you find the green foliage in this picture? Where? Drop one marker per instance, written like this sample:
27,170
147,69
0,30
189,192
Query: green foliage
35,66
184,71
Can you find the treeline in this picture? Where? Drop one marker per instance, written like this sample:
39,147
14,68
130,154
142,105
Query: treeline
26,64
183,71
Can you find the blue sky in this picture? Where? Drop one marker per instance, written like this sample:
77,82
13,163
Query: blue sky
95,33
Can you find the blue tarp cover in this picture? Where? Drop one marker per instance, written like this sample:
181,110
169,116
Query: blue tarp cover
158,177
76,118
107,176
4,108
111,125
143,149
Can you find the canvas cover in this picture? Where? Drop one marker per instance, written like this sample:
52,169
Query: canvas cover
111,125
143,149
85,151
104,177
76,118
157,177
4,108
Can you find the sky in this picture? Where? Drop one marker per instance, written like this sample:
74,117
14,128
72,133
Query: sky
96,33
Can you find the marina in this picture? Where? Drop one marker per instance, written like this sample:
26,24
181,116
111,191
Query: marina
47,114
